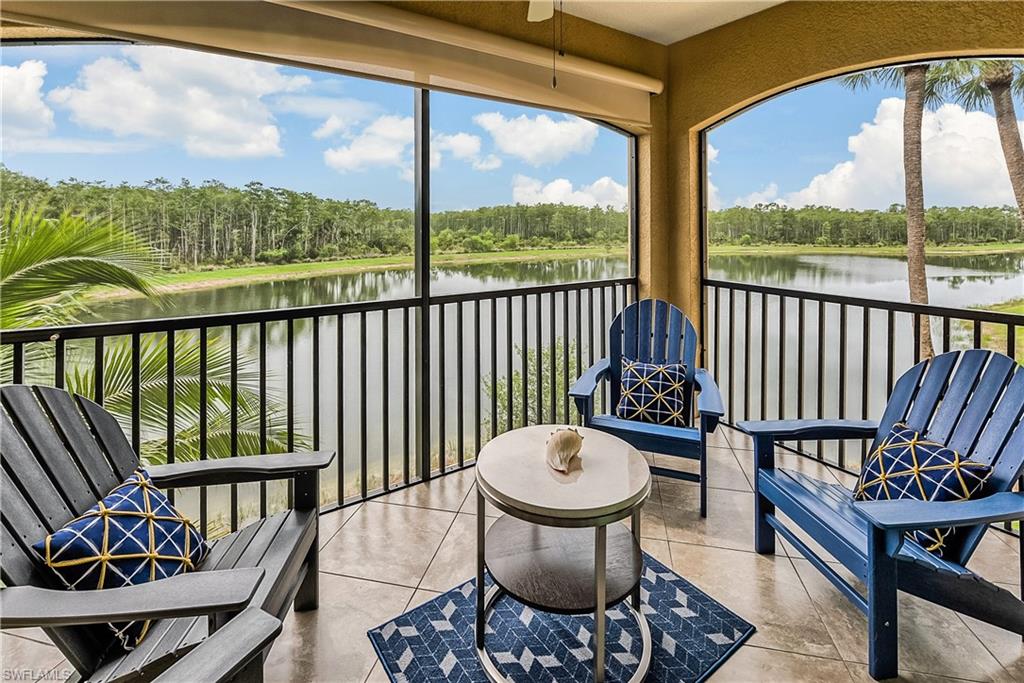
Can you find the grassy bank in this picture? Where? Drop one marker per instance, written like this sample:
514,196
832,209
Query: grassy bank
212,278
801,249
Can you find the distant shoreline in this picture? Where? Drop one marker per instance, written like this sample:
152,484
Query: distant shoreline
217,277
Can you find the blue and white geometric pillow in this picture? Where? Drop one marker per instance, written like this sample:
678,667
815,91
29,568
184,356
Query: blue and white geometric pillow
653,392
133,536
906,465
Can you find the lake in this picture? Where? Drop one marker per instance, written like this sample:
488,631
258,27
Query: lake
956,281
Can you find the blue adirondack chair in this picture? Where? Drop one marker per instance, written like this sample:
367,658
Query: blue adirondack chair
654,331
972,401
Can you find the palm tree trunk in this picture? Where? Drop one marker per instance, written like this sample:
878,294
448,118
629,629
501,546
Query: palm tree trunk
913,114
1009,136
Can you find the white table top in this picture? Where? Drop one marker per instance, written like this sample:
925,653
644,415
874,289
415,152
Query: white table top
609,475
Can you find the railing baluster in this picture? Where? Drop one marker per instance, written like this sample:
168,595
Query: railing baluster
233,363
579,337
604,350
820,397
476,378
1011,341
553,355
716,343
339,389
316,382
459,417
204,518
385,399
137,392
842,378
539,356
508,364
494,367
442,418
263,408
731,350
746,356
782,358
406,397
524,358
363,469
945,333
290,398
171,436
865,374
565,354
97,370
18,363
890,367
801,309
917,338
58,362
977,334
764,356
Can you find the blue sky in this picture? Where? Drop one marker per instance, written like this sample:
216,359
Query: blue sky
130,114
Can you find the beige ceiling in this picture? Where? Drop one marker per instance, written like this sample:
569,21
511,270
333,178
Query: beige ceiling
664,21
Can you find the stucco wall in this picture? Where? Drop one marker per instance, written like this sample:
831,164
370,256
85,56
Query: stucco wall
719,72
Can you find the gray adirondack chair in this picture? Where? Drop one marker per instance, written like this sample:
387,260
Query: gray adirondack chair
61,454
971,400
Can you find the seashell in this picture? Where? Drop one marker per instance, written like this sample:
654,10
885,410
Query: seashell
562,446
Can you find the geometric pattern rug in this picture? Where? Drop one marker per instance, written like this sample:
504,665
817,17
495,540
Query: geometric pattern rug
691,636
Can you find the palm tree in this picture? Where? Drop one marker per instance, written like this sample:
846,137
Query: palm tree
973,84
46,265
919,91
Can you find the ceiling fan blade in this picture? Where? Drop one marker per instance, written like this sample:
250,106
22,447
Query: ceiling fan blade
540,10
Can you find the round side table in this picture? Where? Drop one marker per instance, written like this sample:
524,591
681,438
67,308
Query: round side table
557,549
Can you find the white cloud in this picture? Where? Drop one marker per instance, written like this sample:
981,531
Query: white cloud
210,104
714,199
461,145
22,107
602,192
541,139
962,160
766,195
331,127
384,142
488,163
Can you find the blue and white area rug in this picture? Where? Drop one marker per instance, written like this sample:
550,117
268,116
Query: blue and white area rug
691,634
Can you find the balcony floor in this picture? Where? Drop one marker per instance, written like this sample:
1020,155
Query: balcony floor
380,558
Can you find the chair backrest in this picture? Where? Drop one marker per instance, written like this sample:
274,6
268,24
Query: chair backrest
973,402
652,331
60,454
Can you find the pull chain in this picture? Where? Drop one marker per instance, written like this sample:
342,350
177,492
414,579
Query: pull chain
557,45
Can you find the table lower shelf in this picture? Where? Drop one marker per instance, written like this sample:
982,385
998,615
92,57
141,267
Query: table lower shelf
552,569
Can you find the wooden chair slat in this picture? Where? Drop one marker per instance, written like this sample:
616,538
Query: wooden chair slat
54,511
35,427
629,321
110,436
615,353
18,566
80,442
1003,421
21,519
676,352
899,401
979,409
661,345
955,397
930,393
643,331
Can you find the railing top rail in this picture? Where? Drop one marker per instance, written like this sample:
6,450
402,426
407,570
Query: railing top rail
899,306
195,322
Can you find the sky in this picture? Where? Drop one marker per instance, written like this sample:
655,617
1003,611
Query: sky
133,113
117,113
825,145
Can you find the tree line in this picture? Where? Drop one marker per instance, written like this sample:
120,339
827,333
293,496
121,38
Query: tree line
212,223
825,226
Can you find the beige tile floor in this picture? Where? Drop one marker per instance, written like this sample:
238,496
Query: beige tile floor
383,557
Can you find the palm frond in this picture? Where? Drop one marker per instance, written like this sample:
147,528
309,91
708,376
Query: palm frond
52,261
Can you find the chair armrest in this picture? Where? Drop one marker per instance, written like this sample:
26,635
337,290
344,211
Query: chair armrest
238,470
185,595
224,654
907,515
787,430
586,385
709,400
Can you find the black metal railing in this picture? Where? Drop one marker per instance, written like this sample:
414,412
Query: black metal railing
783,354
353,377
